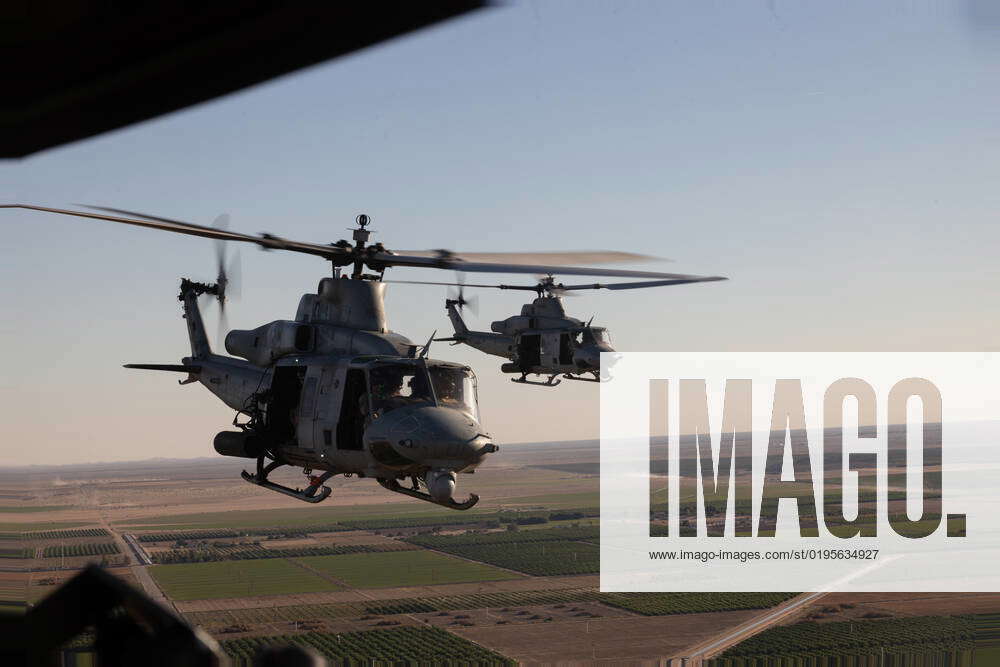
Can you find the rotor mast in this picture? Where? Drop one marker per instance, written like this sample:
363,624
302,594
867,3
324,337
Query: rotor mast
361,236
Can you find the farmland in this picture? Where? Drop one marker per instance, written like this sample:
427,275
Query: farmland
514,575
929,634
588,533
404,645
16,552
537,558
237,579
88,549
212,552
65,534
378,520
542,552
646,604
30,509
415,568
221,533
659,604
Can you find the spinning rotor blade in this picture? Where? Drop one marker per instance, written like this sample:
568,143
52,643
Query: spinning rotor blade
472,302
378,259
677,280
383,259
227,278
266,241
426,282
643,284
550,258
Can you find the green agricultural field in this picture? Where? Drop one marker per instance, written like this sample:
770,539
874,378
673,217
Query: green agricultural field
88,549
65,534
663,604
290,518
405,568
542,552
537,558
398,646
17,552
554,500
542,534
907,637
231,579
206,553
360,516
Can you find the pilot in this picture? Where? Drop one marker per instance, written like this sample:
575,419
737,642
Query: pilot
386,387
419,391
447,387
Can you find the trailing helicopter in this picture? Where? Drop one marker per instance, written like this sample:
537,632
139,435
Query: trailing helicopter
335,391
543,339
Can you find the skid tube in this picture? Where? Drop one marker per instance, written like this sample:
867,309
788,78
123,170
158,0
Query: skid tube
393,485
308,495
551,382
580,378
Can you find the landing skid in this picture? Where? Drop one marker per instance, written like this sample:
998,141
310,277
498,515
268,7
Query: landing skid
580,378
551,382
309,494
393,485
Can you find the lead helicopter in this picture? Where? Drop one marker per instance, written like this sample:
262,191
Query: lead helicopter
334,390
543,339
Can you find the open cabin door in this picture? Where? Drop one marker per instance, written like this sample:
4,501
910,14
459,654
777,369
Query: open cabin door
284,407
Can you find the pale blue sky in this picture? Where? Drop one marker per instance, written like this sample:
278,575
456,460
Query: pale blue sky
838,162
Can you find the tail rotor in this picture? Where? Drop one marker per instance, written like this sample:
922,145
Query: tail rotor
228,276
458,297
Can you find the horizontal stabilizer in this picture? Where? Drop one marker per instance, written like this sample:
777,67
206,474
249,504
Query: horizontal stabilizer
177,368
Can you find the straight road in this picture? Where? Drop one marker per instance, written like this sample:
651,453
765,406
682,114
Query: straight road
697,654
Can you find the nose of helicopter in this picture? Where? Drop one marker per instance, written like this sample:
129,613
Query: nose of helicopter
588,357
436,436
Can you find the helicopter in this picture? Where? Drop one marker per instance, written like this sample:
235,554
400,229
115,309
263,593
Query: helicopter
543,340
335,391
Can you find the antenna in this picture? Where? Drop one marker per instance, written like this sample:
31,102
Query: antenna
427,347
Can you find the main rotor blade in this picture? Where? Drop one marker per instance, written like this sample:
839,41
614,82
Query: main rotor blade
643,284
266,241
558,287
443,262
426,282
551,258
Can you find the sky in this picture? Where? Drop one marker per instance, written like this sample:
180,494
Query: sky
838,163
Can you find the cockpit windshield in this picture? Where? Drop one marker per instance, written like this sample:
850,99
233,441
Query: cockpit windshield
393,385
596,335
455,387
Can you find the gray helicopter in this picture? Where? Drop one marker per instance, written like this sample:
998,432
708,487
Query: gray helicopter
334,390
543,339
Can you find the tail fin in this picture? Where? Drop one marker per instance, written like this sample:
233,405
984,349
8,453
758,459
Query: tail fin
200,347
456,319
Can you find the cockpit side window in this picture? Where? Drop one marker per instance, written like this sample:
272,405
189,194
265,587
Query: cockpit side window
393,385
596,335
455,388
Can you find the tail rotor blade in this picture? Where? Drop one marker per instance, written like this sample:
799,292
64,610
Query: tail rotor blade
223,327
222,223
235,276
